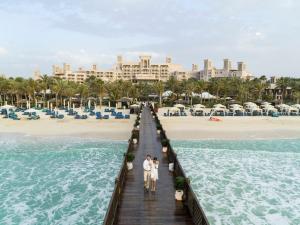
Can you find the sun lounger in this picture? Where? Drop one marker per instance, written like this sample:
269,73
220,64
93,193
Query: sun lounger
98,115
105,117
60,116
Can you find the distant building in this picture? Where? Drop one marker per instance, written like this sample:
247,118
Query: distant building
209,71
140,71
277,92
37,75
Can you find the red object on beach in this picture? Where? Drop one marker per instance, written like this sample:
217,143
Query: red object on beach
214,119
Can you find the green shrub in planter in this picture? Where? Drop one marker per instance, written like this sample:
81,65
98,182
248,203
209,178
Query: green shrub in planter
179,183
137,123
130,157
158,127
164,142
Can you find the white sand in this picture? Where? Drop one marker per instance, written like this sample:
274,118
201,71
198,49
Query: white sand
193,128
114,129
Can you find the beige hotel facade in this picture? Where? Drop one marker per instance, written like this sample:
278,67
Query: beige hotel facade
144,70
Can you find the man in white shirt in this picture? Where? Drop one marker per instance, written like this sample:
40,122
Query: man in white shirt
147,171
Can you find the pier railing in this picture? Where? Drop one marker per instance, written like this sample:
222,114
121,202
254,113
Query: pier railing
190,198
120,180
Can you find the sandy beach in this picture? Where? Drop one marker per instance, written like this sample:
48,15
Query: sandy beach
112,129
195,128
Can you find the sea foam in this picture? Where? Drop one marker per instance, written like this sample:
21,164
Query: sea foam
245,182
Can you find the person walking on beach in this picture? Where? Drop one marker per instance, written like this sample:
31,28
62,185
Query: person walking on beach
154,173
147,172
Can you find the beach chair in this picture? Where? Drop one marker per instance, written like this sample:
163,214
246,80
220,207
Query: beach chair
60,116
77,117
127,117
92,113
98,115
84,117
106,117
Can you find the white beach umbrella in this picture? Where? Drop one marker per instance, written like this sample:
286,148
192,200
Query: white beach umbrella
68,105
51,106
89,104
73,106
8,107
64,103
220,106
174,109
48,105
296,106
206,95
198,106
180,106
31,110
167,94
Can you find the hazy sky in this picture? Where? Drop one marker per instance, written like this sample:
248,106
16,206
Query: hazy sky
35,34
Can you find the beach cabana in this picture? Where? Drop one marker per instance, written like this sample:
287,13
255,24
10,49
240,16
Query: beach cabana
252,109
236,109
8,107
218,110
206,95
180,106
198,110
167,94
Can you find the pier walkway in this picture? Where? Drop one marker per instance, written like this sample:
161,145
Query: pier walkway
138,207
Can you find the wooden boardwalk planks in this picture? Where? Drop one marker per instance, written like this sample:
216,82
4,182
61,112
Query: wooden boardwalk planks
140,208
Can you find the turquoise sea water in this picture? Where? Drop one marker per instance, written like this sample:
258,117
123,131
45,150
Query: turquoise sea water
56,181
245,182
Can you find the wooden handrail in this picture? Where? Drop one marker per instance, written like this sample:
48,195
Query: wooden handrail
119,183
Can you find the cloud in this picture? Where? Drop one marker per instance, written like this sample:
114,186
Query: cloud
84,32
3,51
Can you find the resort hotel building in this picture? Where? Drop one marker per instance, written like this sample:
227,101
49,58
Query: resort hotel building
209,71
143,70
146,71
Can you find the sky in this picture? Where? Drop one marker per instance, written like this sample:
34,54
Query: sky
36,34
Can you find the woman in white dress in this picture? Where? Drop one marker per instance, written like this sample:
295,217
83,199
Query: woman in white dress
154,173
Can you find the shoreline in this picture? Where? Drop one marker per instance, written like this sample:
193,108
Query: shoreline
231,128
111,129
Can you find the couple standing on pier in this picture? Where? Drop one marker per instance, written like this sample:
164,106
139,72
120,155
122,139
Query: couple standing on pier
150,173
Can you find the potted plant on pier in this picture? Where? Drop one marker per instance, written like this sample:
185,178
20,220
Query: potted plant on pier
158,128
179,186
129,159
137,124
164,143
135,137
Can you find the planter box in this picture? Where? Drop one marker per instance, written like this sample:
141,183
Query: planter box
171,167
129,165
164,149
179,195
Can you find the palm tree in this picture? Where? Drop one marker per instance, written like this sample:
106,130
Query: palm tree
45,83
83,91
101,90
283,84
159,88
114,90
190,88
296,95
200,86
259,88
172,84
57,87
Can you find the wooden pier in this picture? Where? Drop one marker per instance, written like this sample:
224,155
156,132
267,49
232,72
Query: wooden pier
132,205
